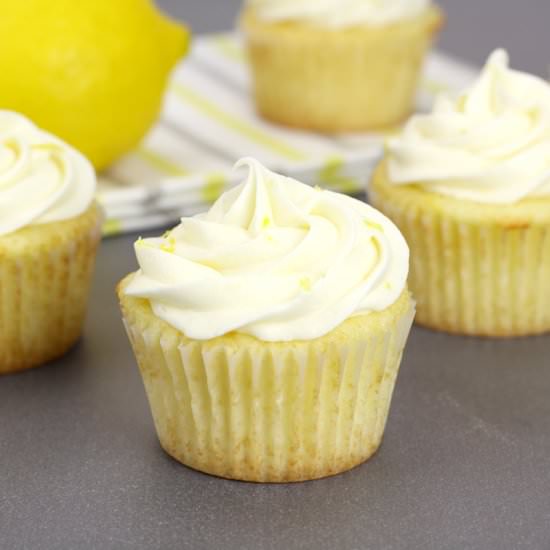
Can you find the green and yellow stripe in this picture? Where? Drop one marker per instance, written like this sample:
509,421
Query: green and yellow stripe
231,122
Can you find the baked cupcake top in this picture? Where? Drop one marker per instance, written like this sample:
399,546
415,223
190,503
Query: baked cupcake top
275,259
42,179
489,144
339,13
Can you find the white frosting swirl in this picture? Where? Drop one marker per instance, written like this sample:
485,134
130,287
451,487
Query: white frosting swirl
42,179
339,13
275,259
491,144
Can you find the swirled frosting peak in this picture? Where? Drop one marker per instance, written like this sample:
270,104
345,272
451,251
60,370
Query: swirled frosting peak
42,179
489,144
339,13
275,259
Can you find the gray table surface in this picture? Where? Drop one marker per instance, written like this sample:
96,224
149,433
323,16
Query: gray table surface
466,458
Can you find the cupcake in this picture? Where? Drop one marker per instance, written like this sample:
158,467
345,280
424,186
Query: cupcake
337,65
269,330
49,232
469,186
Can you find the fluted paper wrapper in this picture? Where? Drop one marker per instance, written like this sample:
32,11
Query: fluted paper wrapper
473,271
337,80
45,273
239,408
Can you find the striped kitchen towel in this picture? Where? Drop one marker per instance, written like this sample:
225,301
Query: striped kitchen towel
208,122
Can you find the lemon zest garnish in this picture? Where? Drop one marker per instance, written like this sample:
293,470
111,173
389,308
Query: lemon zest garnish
305,284
169,246
372,225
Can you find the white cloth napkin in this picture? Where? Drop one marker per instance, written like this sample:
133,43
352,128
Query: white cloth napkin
208,122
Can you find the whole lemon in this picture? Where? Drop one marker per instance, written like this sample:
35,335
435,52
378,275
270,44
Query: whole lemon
91,71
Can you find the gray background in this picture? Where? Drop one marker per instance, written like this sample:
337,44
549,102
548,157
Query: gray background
465,463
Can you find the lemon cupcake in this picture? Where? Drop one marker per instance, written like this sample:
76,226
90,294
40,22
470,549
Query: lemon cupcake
469,186
337,65
49,231
269,331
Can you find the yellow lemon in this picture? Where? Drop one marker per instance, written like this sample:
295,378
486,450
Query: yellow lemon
91,71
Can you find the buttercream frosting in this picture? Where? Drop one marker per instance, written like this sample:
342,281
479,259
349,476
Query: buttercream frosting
489,144
339,13
273,258
42,179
